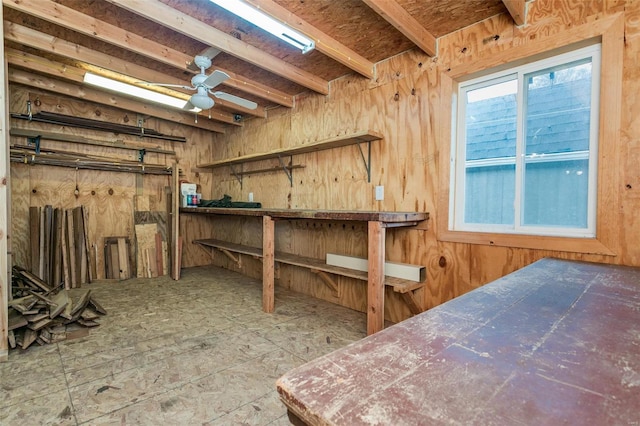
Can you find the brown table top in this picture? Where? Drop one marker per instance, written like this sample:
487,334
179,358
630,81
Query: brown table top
557,342
341,215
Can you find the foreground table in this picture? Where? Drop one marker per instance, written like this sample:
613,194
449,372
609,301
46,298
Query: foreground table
557,342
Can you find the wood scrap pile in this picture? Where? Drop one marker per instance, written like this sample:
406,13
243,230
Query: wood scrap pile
44,314
60,250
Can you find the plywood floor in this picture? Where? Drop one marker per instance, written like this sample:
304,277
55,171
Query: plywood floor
197,351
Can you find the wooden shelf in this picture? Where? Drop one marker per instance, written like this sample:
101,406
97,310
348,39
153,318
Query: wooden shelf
337,142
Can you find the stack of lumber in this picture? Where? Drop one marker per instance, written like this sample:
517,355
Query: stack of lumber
43,314
60,251
117,264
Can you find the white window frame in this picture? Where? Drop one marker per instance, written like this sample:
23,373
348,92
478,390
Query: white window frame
458,147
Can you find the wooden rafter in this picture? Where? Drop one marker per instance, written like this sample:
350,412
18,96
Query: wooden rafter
171,18
29,37
324,42
87,25
100,97
397,16
517,9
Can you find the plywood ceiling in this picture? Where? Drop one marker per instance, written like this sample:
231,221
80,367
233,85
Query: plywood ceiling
152,40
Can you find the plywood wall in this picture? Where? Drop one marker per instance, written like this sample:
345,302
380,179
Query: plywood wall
110,197
404,104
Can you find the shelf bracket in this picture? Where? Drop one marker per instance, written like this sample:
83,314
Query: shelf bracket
236,174
35,141
367,161
288,171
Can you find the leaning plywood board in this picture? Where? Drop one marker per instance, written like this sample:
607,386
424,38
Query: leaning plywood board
398,270
145,246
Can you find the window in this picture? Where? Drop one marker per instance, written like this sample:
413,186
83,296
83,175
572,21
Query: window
524,150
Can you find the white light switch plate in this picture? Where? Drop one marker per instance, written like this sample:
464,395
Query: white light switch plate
379,193
251,197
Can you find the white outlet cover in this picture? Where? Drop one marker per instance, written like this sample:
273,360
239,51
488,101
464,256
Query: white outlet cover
379,193
251,197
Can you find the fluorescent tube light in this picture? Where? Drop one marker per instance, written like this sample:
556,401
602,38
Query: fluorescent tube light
131,90
267,23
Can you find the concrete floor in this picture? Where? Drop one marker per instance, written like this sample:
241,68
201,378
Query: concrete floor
197,351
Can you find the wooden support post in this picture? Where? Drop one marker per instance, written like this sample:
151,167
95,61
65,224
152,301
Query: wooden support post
5,209
176,253
268,256
375,295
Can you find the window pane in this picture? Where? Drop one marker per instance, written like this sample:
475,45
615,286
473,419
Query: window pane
556,193
489,195
491,121
491,140
558,109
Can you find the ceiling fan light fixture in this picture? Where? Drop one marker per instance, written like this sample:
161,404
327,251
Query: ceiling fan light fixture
131,90
201,101
267,23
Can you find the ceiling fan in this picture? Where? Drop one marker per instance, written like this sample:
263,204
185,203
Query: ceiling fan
203,83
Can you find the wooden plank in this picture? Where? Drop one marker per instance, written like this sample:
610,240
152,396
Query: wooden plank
90,262
48,232
145,244
81,252
30,336
65,252
114,265
518,10
123,259
58,217
16,320
397,16
268,252
336,142
375,291
158,248
34,233
175,224
93,302
42,263
61,299
72,249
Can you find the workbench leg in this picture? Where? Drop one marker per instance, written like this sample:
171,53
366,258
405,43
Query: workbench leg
268,251
375,295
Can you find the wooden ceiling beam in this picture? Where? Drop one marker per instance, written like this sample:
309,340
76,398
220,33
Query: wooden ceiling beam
82,92
325,44
169,17
397,16
30,37
69,18
56,69
518,10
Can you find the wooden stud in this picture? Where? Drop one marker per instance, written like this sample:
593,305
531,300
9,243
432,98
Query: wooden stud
375,293
268,253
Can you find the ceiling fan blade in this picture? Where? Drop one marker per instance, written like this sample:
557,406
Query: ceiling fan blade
235,99
215,78
182,86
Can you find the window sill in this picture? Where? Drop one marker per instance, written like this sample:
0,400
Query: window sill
574,245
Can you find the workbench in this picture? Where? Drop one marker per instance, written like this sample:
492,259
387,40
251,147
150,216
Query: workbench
377,223
557,342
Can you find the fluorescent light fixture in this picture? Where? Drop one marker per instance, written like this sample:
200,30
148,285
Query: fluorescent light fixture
267,23
131,90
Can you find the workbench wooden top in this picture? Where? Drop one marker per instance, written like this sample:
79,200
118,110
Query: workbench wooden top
341,215
557,342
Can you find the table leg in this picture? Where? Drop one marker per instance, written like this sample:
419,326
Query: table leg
268,251
375,287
